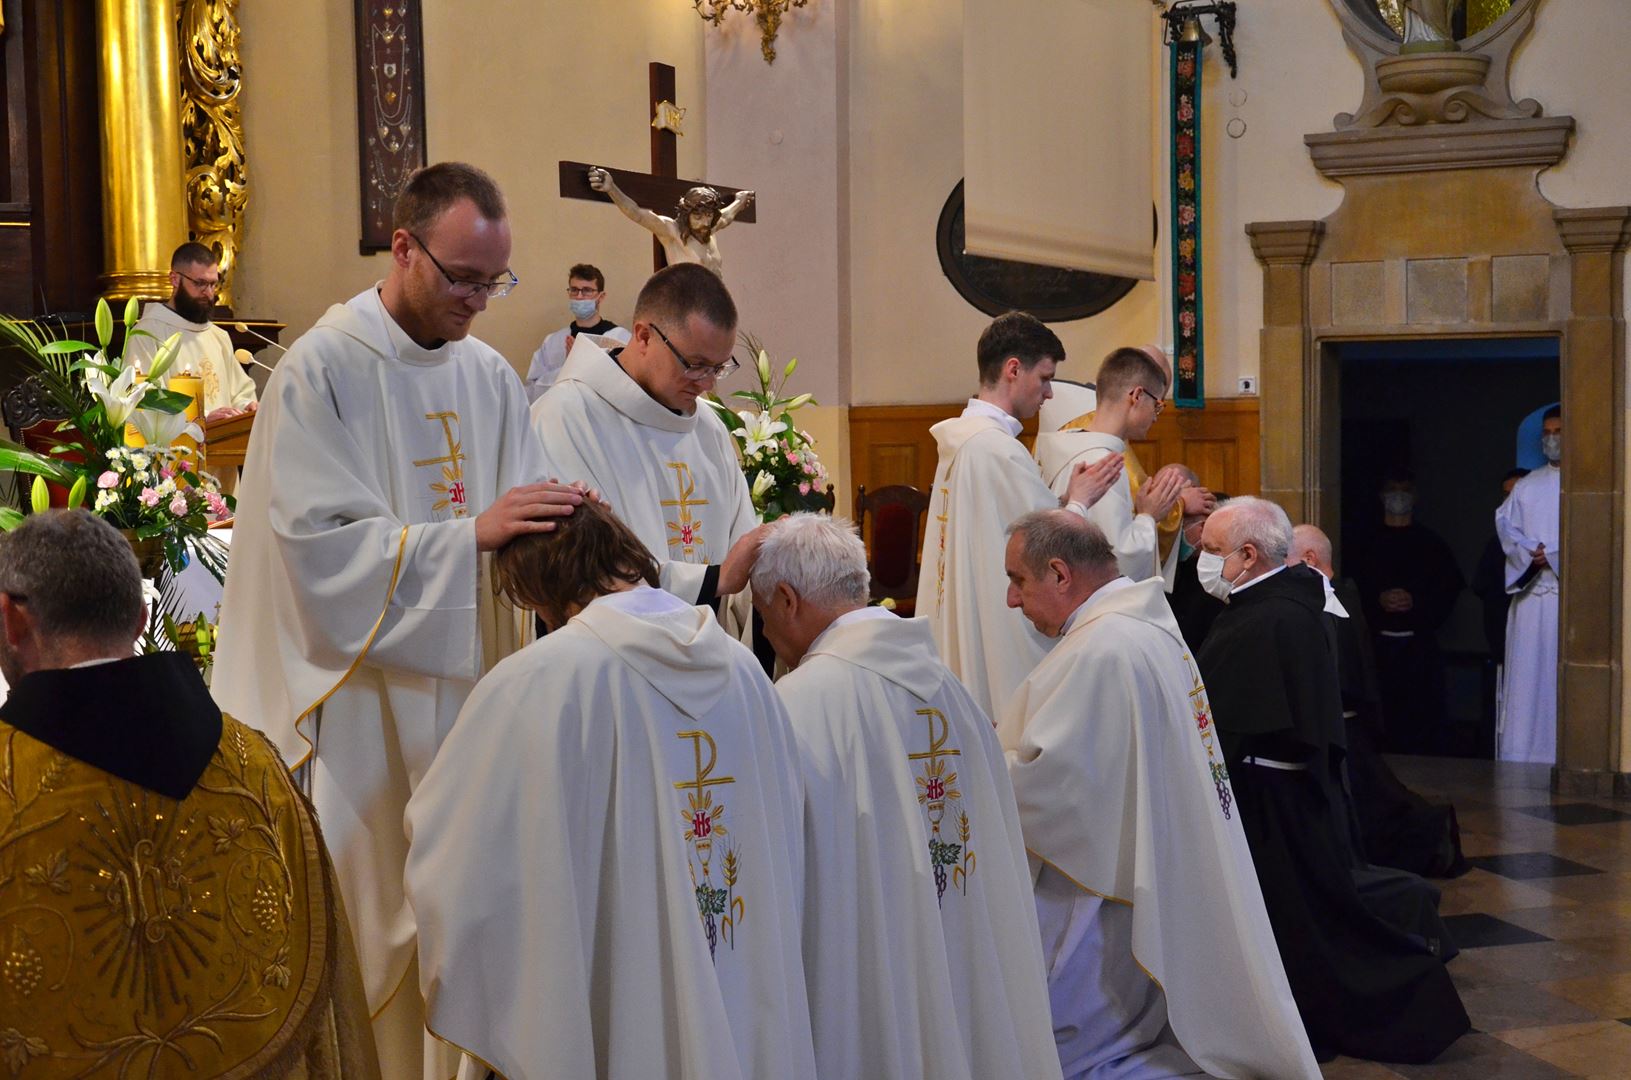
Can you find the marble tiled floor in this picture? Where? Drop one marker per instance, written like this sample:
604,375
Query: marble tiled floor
1545,1009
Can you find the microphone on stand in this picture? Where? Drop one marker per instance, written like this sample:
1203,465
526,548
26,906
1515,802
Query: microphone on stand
244,356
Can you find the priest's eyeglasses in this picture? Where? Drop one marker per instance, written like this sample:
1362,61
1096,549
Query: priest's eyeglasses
697,372
205,286
1159,403
465,289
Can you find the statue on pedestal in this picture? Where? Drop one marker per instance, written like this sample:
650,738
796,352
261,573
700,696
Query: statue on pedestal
688,236
1429,25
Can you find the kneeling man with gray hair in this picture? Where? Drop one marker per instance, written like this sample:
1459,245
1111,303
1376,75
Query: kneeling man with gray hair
920,941
1364,988
1160,956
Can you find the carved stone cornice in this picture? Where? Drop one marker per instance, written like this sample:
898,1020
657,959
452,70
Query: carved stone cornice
1598,228
1285,243
1541,142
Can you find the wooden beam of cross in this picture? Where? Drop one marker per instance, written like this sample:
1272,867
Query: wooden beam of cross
660,189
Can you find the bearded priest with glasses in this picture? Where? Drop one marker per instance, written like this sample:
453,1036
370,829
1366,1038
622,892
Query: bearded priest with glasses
625,420
391,454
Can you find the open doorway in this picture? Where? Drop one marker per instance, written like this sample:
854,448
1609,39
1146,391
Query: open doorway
1444,416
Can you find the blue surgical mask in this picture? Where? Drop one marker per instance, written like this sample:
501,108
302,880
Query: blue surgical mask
583,309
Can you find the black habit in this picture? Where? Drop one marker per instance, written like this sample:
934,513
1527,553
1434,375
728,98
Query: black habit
1364,988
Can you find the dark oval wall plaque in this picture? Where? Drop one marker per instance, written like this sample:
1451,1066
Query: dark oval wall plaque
996,286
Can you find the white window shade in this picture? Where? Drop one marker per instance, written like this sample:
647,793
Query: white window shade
1057,133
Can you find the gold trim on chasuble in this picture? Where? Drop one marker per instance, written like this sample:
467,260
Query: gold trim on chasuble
1201,707
685,532
944,520
937,793
141,936
390,591
720,909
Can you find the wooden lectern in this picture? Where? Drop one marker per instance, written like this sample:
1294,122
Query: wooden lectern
226,442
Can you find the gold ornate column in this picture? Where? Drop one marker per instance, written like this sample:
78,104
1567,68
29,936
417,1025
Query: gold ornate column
140,92
217,186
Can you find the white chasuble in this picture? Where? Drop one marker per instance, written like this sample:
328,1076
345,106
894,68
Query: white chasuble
605,858
674,479
920,938
357,614
1132,535
1527,730
984,480
1126,806
205,350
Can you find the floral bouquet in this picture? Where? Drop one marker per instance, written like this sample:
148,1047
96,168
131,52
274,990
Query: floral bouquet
784,475
156,494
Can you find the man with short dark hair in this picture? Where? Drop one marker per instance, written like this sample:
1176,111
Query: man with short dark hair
985,479
1364,988
585,291
140,825
1159,953
391,455
204,349
606,853
1132,390
921,951
630,423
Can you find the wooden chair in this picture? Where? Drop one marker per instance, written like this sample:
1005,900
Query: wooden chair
894,540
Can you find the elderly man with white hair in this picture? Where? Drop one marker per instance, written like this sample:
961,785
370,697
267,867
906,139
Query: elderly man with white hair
1160,957
1363,987
921,951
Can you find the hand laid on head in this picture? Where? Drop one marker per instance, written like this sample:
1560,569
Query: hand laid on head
525,508
1159,494
1396,601
1088,483
738,564
1198,501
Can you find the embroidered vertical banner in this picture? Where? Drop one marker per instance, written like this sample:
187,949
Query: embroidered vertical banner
390,110
1189,389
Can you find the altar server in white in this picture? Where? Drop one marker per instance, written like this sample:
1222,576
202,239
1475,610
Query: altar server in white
1527,525
392,449
628,422
605,854
1131,392
1161,961
204,349
985,479
920,939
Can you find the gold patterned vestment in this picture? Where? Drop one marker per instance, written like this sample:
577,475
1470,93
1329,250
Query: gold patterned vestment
147,936
1168,528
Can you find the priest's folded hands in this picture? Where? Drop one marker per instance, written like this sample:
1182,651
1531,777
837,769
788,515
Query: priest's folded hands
528,508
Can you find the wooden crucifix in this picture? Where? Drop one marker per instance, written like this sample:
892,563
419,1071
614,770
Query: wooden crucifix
661,190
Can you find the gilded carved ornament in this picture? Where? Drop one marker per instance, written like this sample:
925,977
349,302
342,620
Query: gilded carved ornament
217,177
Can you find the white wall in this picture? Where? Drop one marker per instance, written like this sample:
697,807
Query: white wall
512,86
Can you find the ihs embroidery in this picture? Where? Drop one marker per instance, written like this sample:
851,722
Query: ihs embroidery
450,489
937,793
720,907
684,533
1203,723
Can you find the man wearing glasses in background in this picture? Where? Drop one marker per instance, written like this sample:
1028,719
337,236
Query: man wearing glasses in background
391,455
628,423
585,291
205,349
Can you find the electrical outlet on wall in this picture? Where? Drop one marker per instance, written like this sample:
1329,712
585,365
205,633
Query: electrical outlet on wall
1248,384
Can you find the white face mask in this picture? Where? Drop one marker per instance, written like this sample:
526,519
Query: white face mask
1209,569
1552,447
1398,503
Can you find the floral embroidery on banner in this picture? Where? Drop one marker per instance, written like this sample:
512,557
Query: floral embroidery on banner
449,490
1202,709
685,532
938,794
720,906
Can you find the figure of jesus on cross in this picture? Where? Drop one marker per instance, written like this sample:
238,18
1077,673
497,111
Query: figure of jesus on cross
688,236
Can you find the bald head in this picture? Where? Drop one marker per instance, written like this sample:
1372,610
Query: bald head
1310,545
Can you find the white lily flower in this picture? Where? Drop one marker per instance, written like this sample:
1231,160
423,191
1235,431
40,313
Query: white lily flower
163,429
119,398
762,482
759,431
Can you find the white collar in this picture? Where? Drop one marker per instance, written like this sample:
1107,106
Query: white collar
977,407
1115,585
1265,577
860,614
